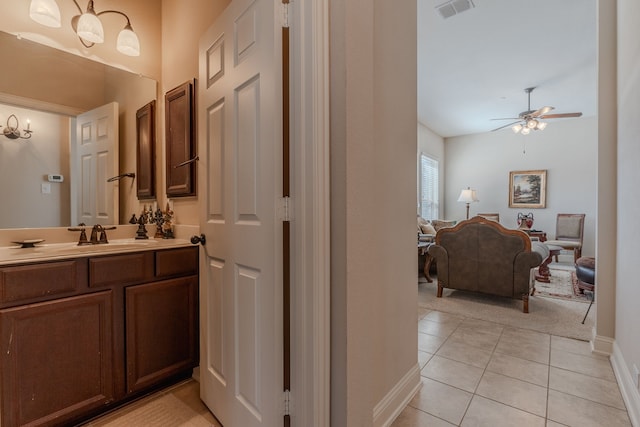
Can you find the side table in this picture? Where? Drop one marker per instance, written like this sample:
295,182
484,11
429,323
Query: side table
541,235
543,271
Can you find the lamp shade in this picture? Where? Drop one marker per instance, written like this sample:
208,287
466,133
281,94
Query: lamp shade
90,28
128,42
468,196
45,12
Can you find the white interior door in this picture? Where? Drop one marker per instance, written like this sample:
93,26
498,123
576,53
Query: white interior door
239,120
95,161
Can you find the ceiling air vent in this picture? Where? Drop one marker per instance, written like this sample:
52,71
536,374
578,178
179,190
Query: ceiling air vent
454,7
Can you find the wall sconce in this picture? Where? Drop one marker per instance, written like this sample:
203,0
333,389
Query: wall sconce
468,196
87,25
13,132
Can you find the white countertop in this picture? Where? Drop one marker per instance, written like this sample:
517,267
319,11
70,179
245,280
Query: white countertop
60,243
57,251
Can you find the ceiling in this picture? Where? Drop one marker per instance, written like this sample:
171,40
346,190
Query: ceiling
474,66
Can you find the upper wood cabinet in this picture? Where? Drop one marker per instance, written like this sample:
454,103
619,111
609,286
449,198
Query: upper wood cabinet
146,151
180,140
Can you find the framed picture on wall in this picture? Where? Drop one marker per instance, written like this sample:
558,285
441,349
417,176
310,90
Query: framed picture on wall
527,189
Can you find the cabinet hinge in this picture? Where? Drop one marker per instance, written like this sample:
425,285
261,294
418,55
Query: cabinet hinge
287,402
285,209
285,15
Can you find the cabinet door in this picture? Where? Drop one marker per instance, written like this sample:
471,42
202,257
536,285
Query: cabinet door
180,141
56,360
161,330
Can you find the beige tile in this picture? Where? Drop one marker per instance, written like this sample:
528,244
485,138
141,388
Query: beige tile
457,374
523,349
441,400
594,366
590,388
571,345
484,412
482,326
422,312
574,411
482,340
521,369
429,343
438,329
462,352
554,424
423,358
510,391
518,336
440,316
412,417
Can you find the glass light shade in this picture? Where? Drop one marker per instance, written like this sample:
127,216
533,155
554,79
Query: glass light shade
541,125
128,42
516,128
90,28
525,131
45,12
531,124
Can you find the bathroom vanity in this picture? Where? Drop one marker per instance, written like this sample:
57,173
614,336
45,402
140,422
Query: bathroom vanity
83,330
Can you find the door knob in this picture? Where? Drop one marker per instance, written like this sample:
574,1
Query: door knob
202,239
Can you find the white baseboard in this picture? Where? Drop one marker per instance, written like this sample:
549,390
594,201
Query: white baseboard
397,399
601,345
628,389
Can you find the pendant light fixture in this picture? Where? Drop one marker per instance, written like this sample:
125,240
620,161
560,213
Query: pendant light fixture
87,25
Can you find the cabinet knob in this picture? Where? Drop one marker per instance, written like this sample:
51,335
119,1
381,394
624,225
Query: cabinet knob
202,239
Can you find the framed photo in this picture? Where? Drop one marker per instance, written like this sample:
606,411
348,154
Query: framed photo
527,189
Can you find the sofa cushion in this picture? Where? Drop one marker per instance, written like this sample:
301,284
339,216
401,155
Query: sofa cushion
427,229
438,224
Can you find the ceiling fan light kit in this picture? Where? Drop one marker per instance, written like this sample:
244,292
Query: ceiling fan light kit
531,119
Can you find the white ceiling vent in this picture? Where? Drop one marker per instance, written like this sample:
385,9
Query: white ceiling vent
453,7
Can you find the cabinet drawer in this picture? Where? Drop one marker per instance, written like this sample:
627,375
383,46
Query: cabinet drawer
123,269
38,280
177,262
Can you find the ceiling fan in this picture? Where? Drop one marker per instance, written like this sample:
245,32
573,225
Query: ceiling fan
530,120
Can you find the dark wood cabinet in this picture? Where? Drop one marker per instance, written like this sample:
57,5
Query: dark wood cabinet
81,336
56,359
146,151
180,137
161,331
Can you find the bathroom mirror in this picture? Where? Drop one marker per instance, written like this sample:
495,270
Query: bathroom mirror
49,88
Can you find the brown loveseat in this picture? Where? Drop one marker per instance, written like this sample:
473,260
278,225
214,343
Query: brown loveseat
480,255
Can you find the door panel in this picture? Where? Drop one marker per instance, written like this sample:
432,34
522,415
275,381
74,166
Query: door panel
96,160
241,313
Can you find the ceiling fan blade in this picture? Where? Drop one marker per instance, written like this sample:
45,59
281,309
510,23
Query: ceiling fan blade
542,111
505,126
560,115
508,118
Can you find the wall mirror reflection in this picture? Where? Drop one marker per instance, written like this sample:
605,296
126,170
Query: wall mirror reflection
50,88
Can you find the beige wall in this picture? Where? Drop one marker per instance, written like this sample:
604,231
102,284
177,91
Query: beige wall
373,149
628,158
24,166
566,149
183,23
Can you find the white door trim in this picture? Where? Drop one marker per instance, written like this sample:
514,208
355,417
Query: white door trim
311,223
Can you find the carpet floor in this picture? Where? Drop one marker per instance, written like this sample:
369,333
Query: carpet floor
556,316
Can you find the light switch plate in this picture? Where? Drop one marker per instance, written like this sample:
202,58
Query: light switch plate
46,188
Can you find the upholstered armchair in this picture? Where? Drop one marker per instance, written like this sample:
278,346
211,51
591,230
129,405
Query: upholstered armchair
569,233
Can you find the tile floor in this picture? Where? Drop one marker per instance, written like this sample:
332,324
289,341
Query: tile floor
477,373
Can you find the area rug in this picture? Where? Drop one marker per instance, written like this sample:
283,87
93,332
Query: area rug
163,411
555,316
563,285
